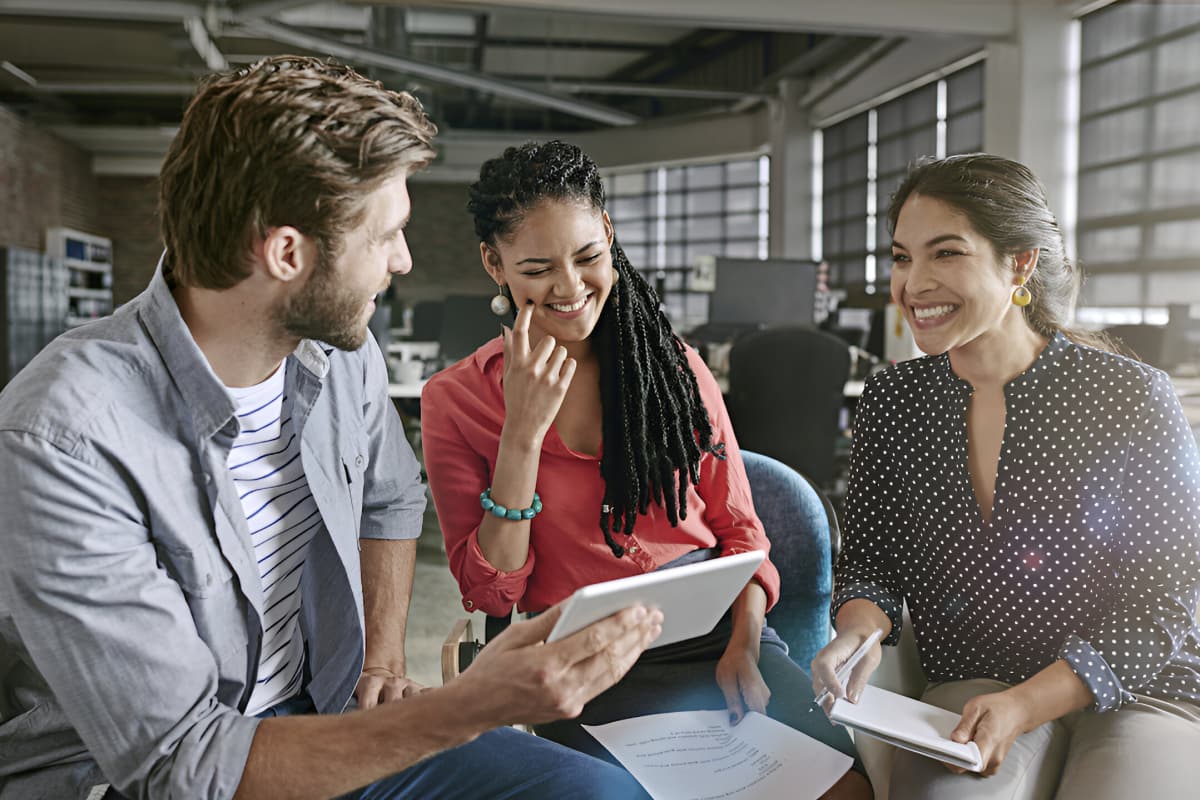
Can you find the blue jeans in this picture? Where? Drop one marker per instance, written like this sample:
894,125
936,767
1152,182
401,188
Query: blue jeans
500,764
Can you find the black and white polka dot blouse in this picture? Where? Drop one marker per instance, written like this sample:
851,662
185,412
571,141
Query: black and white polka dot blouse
1092,554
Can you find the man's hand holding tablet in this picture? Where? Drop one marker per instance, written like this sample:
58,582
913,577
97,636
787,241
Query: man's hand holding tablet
692,598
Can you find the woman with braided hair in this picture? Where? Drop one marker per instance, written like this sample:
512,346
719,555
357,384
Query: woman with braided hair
587,443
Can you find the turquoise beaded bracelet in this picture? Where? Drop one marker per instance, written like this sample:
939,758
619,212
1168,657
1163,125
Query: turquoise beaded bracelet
514,514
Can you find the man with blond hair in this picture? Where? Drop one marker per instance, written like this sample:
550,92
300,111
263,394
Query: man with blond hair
210,508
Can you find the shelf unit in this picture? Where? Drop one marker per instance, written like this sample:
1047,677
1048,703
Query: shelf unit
87,259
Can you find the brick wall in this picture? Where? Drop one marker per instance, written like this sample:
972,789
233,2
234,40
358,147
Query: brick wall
45,182
440,235
130,217
442,239
445,252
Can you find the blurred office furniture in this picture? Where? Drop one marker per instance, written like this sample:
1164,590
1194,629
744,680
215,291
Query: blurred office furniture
803,529
718,332
467,322
1143,342
774,291
87,281
1181,340
33,306
786,391
380,323
427,320
713,341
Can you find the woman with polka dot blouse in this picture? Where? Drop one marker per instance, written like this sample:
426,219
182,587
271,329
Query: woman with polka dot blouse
1035,499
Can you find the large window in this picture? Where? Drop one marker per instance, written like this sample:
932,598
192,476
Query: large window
1139,161
666,217
865,157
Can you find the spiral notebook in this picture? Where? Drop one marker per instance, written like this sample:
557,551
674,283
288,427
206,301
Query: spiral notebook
911,724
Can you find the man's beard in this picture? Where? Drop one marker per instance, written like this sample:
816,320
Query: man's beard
325,311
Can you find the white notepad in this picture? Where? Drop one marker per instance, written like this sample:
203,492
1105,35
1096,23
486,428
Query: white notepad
908,723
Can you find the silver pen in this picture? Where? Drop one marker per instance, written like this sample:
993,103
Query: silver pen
842,673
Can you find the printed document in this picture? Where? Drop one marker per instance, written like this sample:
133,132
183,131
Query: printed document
697,755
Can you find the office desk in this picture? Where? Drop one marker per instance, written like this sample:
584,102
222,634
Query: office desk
413,350
398,391
852,390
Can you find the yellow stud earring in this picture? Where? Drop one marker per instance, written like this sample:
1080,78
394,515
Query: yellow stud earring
1021,295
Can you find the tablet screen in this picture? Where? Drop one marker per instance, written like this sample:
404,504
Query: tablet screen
692,597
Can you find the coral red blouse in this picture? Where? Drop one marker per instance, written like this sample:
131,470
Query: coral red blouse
462,412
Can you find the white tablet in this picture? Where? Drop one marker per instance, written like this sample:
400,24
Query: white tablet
692,597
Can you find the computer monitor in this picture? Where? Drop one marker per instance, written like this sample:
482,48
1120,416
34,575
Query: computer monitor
467,322
775,291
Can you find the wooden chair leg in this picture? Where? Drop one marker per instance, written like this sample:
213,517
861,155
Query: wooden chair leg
461,632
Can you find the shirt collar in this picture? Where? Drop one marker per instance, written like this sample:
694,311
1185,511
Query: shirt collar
199,387
489,353
1046,359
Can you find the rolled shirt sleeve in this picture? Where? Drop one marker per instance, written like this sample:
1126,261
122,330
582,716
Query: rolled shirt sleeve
393,494
874,515
108,629
1159,563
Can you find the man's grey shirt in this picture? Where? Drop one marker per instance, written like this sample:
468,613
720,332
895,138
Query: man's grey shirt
130,599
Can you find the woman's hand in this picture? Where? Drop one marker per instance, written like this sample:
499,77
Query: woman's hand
741,682
993,721
535,379
826,663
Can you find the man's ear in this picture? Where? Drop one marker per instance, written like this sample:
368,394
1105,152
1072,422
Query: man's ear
1025,263
491,262
286,253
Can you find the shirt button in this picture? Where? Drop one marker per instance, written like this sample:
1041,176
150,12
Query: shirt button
633,549
468,604
358,461
208,579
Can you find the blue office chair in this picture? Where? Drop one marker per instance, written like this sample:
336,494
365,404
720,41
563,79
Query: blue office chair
805,538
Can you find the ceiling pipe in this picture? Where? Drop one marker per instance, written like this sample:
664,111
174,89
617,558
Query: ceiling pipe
825,84
298,37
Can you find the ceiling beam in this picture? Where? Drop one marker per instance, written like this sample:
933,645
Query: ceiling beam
988,18
257,9
650,90
203,44
123,10
357,54
131,88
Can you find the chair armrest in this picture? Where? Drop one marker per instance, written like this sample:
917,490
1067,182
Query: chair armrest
462,632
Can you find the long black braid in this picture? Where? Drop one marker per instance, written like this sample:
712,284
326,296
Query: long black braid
655,426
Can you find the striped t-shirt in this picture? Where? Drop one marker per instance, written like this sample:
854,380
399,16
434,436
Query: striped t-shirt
283,518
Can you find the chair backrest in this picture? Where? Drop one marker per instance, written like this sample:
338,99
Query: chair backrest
467,322
786,389
427,320
801,526
1144,341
